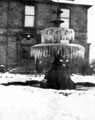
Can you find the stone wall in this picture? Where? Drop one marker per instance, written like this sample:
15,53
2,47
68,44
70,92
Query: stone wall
10,24
3,31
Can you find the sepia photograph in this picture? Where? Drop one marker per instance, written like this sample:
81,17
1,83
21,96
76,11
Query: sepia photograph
47,59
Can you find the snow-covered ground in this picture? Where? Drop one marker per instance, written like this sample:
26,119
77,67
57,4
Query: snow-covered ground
8,77
32,103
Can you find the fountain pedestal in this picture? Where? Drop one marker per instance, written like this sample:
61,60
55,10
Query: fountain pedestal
58,77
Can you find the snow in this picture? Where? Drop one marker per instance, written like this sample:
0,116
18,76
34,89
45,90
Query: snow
84,2
80,78
32,103
8,77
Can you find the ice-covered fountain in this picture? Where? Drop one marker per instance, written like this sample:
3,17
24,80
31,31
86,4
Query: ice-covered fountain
59,43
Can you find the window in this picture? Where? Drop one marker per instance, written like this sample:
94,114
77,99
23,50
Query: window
65,16
29,16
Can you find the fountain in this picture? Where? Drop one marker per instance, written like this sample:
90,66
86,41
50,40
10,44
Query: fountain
58,42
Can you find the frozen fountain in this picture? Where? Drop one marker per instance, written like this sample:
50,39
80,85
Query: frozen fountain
58,43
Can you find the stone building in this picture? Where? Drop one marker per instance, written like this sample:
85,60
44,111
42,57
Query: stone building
21,22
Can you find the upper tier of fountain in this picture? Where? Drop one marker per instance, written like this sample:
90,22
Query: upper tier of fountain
57,35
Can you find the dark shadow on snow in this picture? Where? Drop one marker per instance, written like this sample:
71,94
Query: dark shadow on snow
27,83
86,84
36,83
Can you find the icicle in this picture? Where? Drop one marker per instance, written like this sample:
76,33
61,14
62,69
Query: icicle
71,51
52,34
48,47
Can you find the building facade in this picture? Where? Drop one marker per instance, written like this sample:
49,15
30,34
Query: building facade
21,22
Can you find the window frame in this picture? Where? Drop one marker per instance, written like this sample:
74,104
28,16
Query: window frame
25,26
65,18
